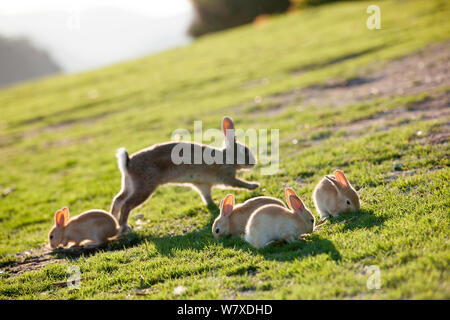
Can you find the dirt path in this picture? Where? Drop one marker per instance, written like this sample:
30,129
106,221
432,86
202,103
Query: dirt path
423,71
420,72
38,258
29,261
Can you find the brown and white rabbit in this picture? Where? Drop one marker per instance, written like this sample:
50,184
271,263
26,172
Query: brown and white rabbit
147,169
334,195
272,223
91,228
233,219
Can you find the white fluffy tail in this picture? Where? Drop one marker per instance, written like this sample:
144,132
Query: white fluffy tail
122,160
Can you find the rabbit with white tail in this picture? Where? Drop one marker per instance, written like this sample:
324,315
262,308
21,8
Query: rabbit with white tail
147,169
272,223
233,219
334,195
91,228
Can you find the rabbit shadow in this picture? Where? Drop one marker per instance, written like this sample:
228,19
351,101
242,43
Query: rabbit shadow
199,239
74,253
168,245
362,219
202,238
192,240
281,251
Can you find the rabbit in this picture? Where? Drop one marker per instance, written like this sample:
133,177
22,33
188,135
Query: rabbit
272,223
149,168
232,219
334,195
92,228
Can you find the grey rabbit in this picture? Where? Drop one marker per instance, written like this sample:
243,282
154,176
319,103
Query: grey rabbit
149,168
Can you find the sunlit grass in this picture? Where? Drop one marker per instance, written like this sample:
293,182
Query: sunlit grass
58,138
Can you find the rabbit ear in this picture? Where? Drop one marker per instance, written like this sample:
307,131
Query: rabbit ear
228,130
296,203
288,192
341,178
61,217
66,214
227,205
227,124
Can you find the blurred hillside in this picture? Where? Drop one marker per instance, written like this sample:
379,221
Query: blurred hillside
20,60
103,36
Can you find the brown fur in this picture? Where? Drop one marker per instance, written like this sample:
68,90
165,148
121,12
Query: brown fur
273,223
242,212
234,223
147,169
276,212
332,192
94,226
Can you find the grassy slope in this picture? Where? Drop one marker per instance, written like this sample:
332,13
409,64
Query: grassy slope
58,138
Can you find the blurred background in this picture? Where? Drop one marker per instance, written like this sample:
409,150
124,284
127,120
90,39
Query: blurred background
44,37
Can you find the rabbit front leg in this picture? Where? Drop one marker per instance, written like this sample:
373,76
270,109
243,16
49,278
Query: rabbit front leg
237,183
274,243
289,238
92,244
72,245
205,192
324,215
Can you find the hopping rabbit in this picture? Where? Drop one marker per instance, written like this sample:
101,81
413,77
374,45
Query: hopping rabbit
147,169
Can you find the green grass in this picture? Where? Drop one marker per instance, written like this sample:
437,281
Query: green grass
58,137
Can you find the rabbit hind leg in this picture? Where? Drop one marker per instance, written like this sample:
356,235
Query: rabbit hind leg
119,199
134,200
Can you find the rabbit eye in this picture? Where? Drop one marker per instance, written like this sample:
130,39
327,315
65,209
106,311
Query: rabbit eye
312,220
51,237
348,202
217,230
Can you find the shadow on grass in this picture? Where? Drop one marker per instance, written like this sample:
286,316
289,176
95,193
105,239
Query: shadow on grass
358,220
198,240
312,246
336,60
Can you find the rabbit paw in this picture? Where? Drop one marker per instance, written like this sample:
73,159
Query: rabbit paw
125,229
274,243
91,245
253,186
324,215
